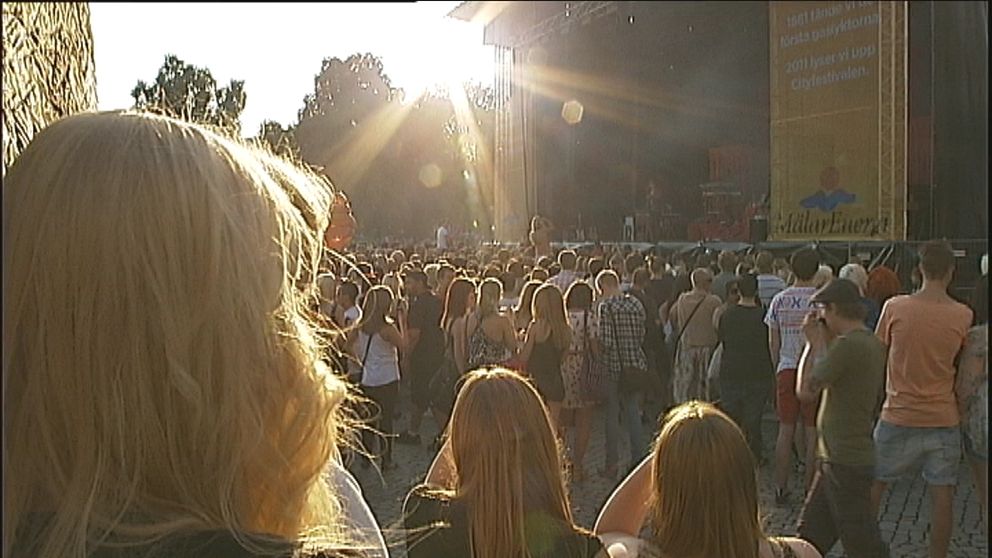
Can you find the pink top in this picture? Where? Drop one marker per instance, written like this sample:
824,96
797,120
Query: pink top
923,336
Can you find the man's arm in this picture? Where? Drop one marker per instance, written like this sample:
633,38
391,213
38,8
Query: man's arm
808,383
774,345
808,386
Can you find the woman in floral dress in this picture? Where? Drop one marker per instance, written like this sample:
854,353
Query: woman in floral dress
578,376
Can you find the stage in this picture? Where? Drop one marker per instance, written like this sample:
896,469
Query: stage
612,111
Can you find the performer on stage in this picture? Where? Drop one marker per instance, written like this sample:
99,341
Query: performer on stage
540,236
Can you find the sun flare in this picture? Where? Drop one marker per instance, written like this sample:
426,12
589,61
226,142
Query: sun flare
442,59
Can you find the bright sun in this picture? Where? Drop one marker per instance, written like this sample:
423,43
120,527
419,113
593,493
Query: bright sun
446,56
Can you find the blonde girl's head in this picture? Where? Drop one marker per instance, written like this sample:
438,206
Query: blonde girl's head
394,283
706,504
160,370
549,306
507,462
527,297
376,307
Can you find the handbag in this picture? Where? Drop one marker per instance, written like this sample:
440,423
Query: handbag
592,377
632,378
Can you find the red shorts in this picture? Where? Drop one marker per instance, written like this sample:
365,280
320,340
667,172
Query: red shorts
787,404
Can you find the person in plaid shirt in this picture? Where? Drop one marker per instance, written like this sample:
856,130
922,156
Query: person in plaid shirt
621,334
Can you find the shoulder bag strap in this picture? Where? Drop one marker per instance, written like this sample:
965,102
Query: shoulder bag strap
683,327
367,347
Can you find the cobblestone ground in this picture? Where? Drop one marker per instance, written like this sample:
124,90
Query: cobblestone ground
904,520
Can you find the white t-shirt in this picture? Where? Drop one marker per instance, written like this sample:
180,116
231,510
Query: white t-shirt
786,314
442,238
564,279
381,361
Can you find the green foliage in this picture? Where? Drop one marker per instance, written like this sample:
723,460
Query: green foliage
355,119
281,141
190,93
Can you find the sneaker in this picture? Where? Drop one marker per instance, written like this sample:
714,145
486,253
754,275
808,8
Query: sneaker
408,438
781,497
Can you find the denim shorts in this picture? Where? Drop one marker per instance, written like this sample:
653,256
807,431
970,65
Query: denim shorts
902,450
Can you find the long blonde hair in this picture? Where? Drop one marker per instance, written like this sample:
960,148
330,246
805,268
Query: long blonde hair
507,462
550,307
526,298
705,500
375,309
161,372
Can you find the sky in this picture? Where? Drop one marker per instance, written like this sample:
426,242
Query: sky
277,49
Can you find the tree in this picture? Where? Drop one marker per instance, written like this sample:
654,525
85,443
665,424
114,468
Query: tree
374,147
190,93
281,141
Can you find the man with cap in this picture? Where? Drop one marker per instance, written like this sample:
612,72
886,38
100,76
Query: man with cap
846,362
426,351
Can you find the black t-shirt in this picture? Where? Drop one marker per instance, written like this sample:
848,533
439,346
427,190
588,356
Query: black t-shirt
745,345
214,543
425,315
437,527
661,289
653,338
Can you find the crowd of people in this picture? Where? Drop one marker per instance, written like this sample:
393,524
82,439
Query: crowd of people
187,371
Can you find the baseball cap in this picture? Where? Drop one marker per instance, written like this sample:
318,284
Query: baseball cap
838,291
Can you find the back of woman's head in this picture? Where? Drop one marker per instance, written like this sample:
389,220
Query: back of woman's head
527,296
883,284
550,307
456,301
507,461
490,293
375,307
154,338
855,273
705,500
579,296
394,283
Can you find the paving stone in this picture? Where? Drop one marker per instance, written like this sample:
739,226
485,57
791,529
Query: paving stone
904,521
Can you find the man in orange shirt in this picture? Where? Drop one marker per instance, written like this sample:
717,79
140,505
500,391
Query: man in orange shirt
919,425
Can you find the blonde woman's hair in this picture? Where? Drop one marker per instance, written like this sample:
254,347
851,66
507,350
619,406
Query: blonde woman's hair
507,462
375,308
550,307
824,274
855,273
395,284
161,371
706,505
490,292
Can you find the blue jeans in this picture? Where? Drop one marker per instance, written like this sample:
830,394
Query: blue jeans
904,449
628,407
